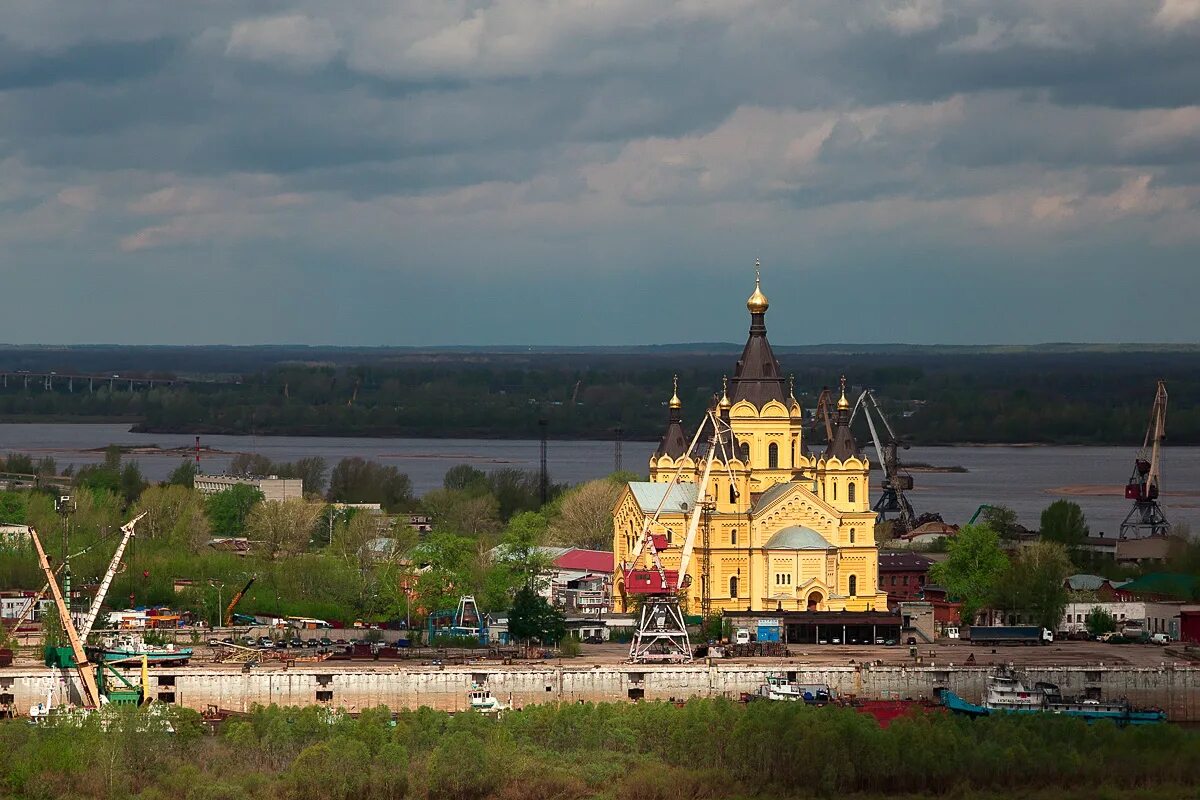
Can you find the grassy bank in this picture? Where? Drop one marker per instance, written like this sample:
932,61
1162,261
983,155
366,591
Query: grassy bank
653,751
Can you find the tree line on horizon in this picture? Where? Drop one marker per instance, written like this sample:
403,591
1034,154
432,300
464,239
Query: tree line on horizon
943,398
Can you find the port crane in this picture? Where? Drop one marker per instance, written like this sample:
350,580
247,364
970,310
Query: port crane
237,598
661,633
89,691
896,480
1146,518
89,621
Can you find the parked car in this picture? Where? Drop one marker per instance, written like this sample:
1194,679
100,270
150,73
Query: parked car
295,641
326,642
1160,638
312,643
341,642
281,644
213,642
265,641
593,640
228,640
1107,637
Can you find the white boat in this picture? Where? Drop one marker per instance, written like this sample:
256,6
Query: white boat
777,688
1007,692
481,700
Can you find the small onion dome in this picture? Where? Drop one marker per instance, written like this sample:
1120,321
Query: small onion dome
758,301
725,404
843,404
675,401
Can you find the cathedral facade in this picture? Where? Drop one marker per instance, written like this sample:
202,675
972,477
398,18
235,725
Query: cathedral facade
782,529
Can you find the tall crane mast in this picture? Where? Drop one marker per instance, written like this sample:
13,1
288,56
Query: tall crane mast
896,481
661,633
90,692
94,611
1146,518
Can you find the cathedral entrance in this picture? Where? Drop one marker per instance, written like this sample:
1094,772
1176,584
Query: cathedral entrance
814,601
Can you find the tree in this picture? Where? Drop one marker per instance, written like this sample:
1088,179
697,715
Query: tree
356,480
519,561
971,570
12,507
184,474
585,516
1065,523
1003,520
1035,583
515,490
228,509
465,478
173,513
462,513
352,537
447,563
1099,621
532,618
132,482
283,527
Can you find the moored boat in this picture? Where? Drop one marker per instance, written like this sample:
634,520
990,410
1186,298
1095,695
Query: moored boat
1007,693
131,646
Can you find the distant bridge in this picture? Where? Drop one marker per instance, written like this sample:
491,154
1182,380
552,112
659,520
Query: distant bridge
62,381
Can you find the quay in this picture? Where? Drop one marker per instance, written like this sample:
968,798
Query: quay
1173,688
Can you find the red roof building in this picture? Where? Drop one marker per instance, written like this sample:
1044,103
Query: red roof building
599,561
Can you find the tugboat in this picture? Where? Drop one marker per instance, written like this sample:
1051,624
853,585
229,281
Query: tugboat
1007,693
131,646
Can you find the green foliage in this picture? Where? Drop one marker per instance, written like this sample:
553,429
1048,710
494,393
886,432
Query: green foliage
228,510
704,750
532,618
356,480
184,474
1100,621
1033,584
1065,523
972,569
12,507
1003,520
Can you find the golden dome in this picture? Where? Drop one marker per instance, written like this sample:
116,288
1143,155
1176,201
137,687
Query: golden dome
843,404
758,301
725,393
675,402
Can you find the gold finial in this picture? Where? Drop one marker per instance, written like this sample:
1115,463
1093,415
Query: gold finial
792,386
758,301
675,402
725,392
843,404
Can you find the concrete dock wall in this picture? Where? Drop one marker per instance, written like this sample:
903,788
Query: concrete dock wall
1175,689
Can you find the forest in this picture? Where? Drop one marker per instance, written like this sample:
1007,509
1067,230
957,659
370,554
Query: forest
704,750
935,395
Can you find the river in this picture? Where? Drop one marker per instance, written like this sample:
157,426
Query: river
1023,478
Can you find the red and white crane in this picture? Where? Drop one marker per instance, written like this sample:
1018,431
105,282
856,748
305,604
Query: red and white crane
1146,518
661,633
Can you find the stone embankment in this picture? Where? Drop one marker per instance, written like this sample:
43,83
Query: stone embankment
1173,688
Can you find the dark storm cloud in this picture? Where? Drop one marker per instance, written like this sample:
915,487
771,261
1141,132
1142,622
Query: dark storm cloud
590,147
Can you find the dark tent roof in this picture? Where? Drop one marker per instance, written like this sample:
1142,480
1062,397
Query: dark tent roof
757,378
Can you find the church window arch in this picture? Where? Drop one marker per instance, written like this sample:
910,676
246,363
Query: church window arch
733,587
670,535
852,536
732,494
835,488
733,536
854,586
850,492
744,448
773,456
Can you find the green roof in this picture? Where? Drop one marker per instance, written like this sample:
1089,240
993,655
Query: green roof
1168,584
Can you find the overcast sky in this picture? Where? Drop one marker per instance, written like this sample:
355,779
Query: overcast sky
599,171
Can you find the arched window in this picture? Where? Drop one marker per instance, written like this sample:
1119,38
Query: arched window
744,448
850,493
732,494
733,587
854,586
733,536
773,456
669,535
852,536
835,489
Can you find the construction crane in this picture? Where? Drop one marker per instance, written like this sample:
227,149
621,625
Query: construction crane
1146,518
90,693
661,633
896,481
237,598
89,621
824,412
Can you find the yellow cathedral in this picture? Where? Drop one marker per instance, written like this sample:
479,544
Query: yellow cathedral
782,529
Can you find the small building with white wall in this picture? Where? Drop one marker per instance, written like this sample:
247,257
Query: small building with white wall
272,487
